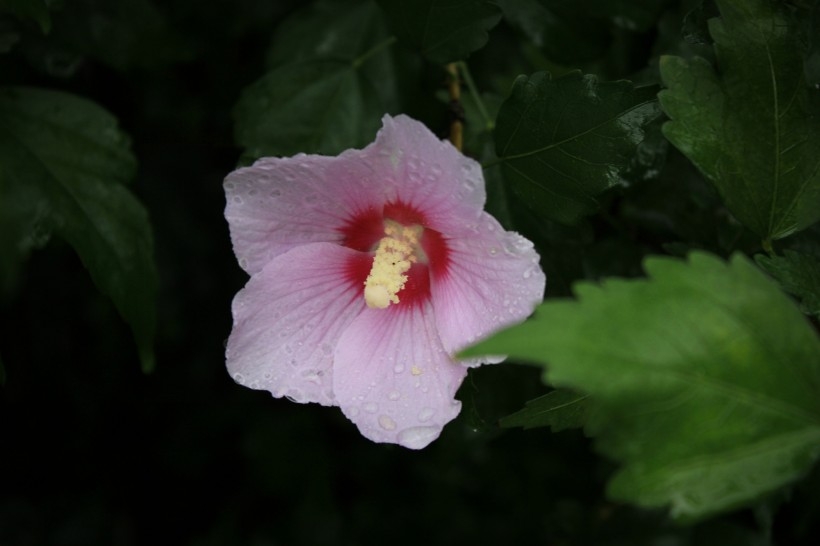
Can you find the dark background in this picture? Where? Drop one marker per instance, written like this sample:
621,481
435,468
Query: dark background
93,451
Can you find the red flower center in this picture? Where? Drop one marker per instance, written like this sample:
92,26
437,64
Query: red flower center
365,230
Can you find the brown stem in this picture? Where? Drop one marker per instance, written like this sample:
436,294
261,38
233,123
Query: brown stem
456,110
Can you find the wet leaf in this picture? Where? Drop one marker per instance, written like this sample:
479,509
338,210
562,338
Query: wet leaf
564,142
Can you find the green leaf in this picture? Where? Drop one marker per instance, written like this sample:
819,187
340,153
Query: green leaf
328,29
559,410
748,128
63,163
319,106
564,142
346,30
36,10
442,30
706,380
798,274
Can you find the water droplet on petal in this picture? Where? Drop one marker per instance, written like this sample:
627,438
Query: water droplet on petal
394,395
237,200
312,376
425,414
371,407
239,378
386,422
294,395
398,368
417,437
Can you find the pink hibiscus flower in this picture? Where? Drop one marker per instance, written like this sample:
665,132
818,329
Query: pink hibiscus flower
369,271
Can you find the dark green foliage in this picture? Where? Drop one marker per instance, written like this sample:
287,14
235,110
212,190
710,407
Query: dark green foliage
798,274
442,30
315,106
563,30
559,410
747,127
63,163
560,164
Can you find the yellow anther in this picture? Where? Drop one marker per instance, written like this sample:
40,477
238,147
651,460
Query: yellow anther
394,256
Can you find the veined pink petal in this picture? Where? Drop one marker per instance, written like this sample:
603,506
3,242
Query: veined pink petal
393,378
493,280
288,320
281,203
429,174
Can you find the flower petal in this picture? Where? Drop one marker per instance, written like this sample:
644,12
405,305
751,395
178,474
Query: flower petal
393,379
280,203
493,280
429,174
288,320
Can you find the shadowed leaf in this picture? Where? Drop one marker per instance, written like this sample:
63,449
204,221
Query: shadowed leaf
798,274
706,380
442,30
559,410
748,127
319,106
63,163
563,142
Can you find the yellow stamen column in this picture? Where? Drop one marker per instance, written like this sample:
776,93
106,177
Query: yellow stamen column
395,254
